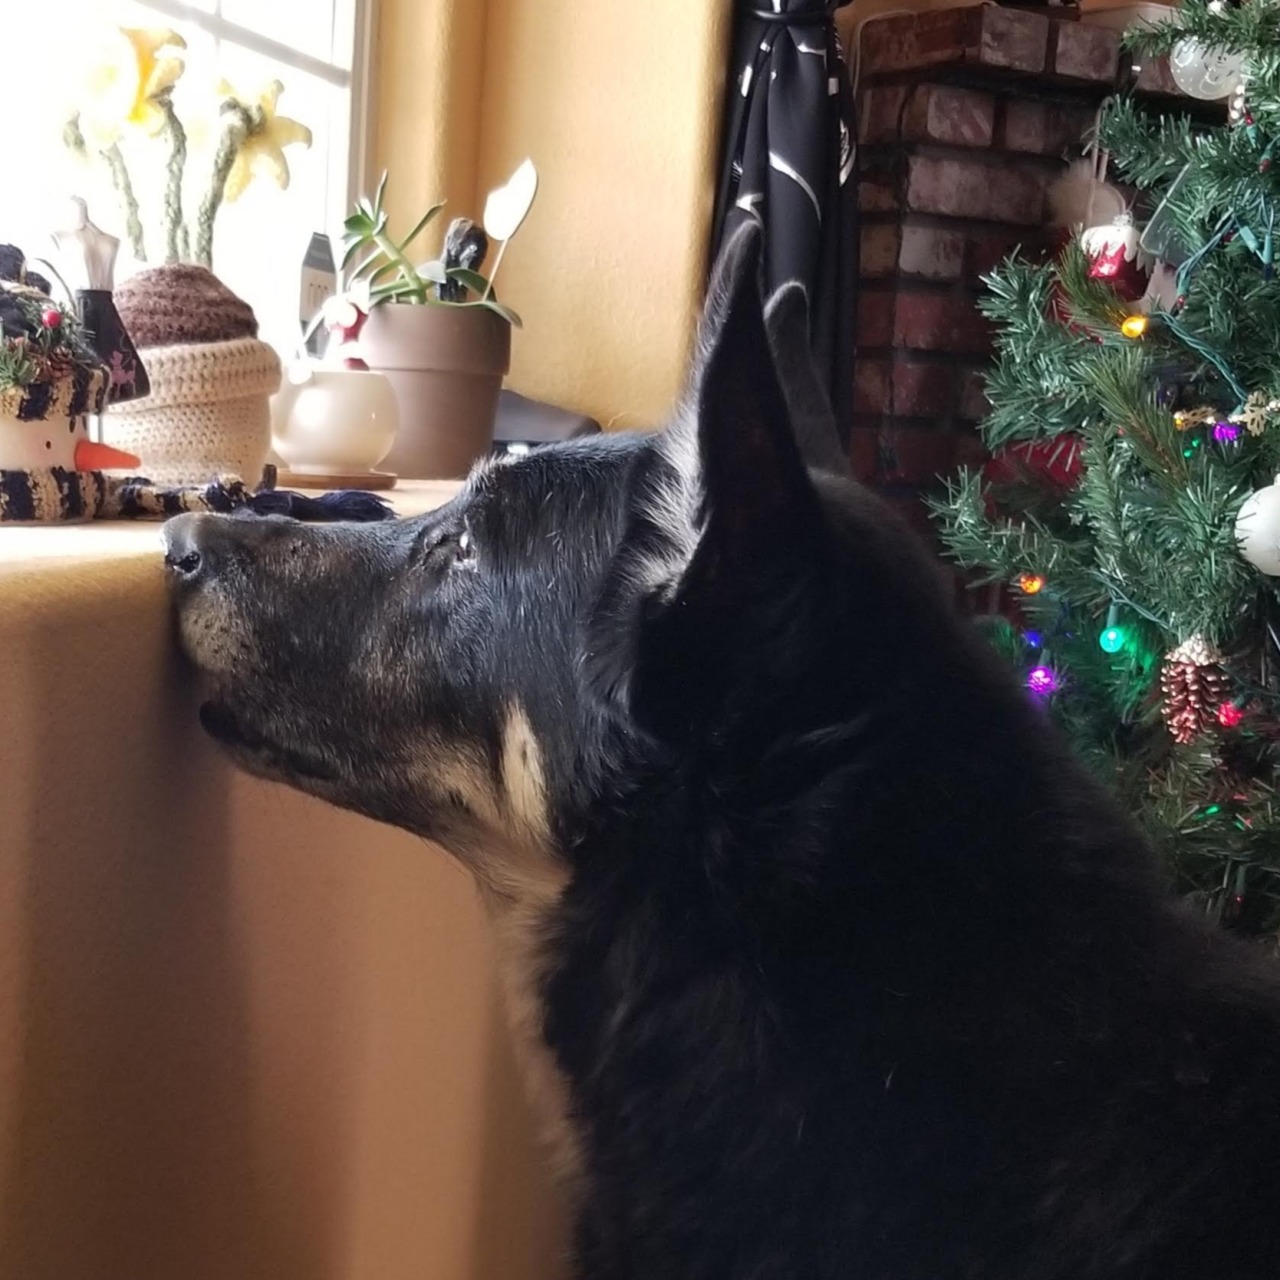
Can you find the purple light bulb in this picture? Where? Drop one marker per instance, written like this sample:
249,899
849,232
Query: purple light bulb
1042,681
1225,432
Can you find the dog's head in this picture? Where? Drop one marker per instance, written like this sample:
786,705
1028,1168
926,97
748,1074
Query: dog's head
485,674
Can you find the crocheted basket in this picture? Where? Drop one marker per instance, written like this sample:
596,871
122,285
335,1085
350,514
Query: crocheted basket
208,412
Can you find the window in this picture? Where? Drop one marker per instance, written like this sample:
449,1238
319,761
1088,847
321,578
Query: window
315,48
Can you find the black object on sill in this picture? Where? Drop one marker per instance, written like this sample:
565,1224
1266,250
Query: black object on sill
523,424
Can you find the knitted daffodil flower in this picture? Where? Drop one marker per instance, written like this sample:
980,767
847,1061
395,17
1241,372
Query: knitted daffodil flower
261,151
125,88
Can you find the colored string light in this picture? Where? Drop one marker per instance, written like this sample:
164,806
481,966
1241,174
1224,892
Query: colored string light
1042,681
1134,326
1113,637
1031,584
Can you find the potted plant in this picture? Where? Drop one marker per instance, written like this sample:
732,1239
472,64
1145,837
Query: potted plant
437,329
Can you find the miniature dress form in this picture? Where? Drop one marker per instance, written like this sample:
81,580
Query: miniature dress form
88,259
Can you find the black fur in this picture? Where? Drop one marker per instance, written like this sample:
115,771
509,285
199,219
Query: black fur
853,972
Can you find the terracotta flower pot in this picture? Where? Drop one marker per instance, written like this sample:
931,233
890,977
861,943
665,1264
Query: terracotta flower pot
446,364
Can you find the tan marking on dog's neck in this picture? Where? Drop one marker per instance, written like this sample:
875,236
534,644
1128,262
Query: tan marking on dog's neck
521,929
521,876
524,784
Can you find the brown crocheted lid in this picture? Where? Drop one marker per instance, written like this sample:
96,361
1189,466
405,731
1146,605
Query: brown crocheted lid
182,304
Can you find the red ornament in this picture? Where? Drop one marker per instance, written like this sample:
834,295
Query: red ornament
1055,462
51,317
1229,715
1116,256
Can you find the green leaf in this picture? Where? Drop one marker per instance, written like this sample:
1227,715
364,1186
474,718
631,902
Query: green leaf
472,279
423,222
394,291
352,249
492,304
433,271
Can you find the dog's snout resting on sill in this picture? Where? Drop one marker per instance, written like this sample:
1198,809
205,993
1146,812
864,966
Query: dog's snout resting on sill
826,960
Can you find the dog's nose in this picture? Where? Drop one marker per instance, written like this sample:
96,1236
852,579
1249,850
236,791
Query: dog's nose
192,546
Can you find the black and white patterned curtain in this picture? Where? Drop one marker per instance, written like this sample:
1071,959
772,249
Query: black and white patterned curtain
789,162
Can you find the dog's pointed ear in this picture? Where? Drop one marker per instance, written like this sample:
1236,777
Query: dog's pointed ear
750,472
812,417
730,528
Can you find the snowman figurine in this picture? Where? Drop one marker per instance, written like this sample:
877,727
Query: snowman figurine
50,380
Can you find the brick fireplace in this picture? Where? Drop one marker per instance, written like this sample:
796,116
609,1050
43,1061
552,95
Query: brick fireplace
965,118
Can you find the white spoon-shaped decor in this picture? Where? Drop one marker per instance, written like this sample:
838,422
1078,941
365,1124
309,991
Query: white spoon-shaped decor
506,209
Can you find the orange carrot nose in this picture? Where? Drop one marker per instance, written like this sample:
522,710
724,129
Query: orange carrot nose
91,456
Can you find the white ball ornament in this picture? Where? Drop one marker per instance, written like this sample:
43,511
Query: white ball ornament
1205,72
1258,529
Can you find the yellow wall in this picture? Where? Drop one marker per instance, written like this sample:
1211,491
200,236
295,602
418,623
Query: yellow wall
619,105
426,93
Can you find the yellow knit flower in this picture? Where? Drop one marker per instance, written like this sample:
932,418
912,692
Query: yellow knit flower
262,151
126,85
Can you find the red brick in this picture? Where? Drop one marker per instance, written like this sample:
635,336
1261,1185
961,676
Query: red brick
871,386
904,387
921,390
988,249
1086,52
862,451
967,188
1012,38
912,41
973,397
1155,77
875,318
983,34
877,196
929,321
914,455
878,251
880,112
935,253
948,115
1043,128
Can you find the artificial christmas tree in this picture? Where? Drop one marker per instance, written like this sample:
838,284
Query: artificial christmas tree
1144,614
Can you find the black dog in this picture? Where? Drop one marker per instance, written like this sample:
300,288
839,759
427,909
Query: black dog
828,961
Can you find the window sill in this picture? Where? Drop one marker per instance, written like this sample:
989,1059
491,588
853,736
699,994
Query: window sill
95,542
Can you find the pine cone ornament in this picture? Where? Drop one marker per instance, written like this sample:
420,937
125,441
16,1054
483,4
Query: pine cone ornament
1192,685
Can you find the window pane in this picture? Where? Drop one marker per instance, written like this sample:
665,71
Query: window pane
260,240
263,236
305,25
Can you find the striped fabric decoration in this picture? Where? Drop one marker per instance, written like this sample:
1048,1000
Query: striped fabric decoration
52,494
